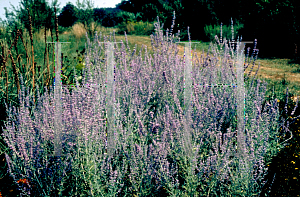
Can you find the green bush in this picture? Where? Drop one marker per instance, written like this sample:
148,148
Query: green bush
63,29
211,31
126,16
137,28
109,20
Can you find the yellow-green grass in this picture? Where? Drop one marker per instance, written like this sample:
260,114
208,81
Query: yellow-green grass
271,70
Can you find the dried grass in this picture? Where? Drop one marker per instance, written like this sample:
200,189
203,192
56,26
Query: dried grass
78,30
40,35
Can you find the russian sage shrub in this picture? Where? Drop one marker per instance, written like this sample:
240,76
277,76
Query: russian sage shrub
156,149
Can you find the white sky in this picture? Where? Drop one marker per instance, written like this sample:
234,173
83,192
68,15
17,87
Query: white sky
62,3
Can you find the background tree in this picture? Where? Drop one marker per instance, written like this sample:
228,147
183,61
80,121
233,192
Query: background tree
137,5
272,17
196,14
266,20
186,14
283,23
38,9
85,14
125,5
125,17
68,16
99,14
110,17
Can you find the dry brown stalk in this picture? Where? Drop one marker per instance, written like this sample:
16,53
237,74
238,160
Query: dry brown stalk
31,40
13,63
48,67
27,58
9,50
15,72
4,65
18,55
3,60
45,36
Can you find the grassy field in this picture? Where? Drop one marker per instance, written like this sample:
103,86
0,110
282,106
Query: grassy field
277,72
274,71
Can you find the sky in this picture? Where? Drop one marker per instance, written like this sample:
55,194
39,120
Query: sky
62,3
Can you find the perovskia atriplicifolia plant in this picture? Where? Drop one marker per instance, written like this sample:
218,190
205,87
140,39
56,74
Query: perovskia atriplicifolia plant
150,155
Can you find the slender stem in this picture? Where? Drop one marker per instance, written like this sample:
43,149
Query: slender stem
32,51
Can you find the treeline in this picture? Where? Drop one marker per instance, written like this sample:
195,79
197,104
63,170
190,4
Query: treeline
274,23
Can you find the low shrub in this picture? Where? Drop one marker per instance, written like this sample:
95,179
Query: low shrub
137,28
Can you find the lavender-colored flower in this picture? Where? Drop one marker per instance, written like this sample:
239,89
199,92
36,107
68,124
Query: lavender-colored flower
155,142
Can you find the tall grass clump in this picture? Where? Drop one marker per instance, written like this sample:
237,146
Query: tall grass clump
156,151
212,30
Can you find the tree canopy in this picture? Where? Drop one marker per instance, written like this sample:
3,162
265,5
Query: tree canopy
41,14
261,18
68,15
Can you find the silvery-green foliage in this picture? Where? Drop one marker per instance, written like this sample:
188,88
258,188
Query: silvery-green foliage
149,153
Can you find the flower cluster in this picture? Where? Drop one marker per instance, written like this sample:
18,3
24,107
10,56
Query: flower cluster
153,144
